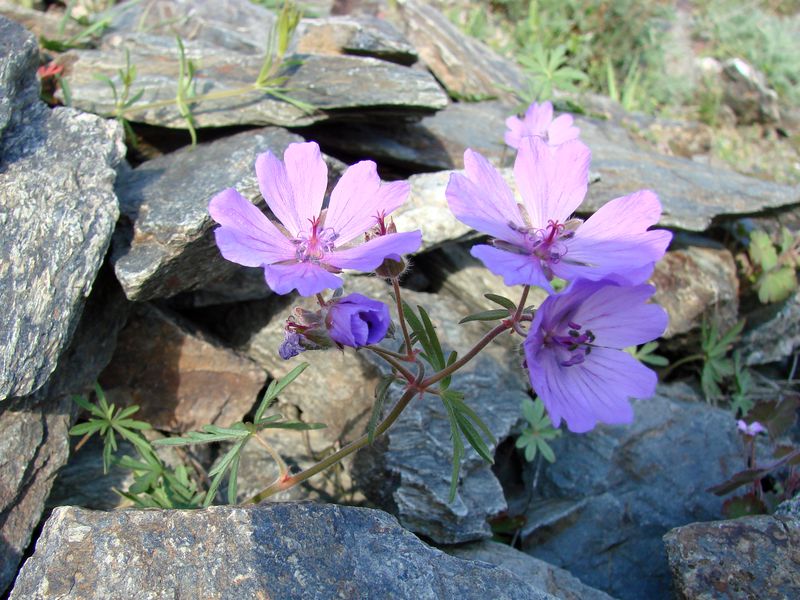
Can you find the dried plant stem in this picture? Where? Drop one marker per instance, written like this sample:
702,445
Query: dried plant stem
285,483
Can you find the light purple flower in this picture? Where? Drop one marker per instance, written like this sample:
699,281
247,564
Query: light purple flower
538,120
356,321
574,352
538,240
753,429
314,245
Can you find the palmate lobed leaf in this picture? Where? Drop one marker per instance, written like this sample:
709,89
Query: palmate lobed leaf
776,285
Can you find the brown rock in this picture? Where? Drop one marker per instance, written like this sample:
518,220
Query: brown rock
467,68
181,379
693,281
362,36
751,557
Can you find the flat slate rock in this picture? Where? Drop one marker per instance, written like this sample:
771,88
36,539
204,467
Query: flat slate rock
34,443
237,25
57,213
555,581
435,143
268,551
169,247
353,87
600,510
750,557
361,36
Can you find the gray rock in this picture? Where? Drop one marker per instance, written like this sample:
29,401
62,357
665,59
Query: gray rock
275,551
437,142
19,58
33,430
694,282
746,91
467,68
180,379
773,332
351,87
691,193
535,572
361,36
57,213
238,25
410,472
603,506
750,557
170,248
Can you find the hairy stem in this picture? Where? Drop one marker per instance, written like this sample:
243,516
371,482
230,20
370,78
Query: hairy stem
282,466
392,360
401,317
472,353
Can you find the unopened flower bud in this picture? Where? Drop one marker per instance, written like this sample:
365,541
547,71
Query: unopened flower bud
356,321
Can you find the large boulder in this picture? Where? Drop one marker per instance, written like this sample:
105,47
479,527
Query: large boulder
269,551
600,510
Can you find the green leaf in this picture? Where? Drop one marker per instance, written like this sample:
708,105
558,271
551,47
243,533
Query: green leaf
486,315
90,427
546,451
295,425
502,301
436,347
776,285
761,250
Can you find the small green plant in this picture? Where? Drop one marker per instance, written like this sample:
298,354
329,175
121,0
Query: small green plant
239,434
539,431
773,269
741,399
548,70
123,100
109,422
718,366
157,485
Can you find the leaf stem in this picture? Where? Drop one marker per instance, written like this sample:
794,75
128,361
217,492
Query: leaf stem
282,467
401,317
683,361
285,483
393,361
480,345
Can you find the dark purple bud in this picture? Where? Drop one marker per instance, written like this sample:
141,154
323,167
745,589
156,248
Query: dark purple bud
356,321
291,346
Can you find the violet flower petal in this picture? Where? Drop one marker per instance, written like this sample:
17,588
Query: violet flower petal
551,180
247,236
295,187
562,130
483,200
369,255
516,269
359,198
307,278
616,239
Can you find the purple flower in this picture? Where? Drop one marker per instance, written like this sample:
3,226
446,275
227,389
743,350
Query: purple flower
538,120
314,244
753,429
575,357
356,321
538,240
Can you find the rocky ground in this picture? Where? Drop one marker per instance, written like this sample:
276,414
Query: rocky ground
110,273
